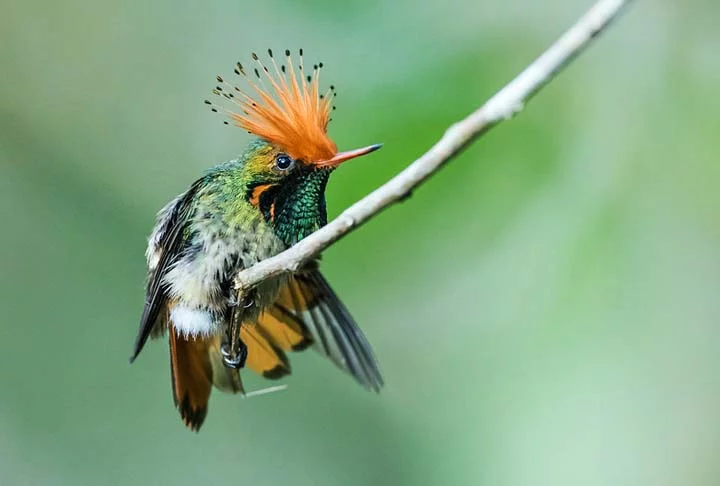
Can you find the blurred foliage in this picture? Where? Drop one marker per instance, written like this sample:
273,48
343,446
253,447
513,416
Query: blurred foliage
545,309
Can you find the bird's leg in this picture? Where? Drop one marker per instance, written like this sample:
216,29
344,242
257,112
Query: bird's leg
232,300
235,351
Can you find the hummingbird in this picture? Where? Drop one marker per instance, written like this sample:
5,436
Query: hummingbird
237,214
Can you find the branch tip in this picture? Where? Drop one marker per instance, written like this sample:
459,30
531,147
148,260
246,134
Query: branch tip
506,103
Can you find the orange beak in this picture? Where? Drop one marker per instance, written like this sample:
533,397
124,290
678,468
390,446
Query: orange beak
341,157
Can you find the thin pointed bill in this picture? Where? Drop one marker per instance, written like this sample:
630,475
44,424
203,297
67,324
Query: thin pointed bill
341,157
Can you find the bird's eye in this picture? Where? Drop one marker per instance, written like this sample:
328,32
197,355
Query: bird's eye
284,162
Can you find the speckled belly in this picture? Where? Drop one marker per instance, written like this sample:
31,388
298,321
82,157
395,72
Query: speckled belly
200,283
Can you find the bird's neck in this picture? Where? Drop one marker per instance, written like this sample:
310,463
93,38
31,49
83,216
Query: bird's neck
296,208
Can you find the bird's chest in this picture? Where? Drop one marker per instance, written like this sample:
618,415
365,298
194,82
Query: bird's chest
203,277
249,245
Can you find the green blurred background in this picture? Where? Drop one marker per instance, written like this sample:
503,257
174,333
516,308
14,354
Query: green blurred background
545,310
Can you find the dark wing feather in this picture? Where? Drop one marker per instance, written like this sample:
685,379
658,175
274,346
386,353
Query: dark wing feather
192,373
170,242
308,303
196,364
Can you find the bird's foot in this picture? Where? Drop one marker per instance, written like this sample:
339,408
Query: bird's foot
234,360
232,301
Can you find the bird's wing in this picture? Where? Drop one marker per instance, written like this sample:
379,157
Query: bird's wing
167,244
196,365
264,356
308,312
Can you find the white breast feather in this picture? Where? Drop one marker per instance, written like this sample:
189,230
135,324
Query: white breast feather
193,280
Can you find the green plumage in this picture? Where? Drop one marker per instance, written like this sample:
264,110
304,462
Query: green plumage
234,216
237,214
299,197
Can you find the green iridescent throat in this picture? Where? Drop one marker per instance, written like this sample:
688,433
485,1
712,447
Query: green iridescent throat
299,205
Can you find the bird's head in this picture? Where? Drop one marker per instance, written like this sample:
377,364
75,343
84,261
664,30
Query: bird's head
287,168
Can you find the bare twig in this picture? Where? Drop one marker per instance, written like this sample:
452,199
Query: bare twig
506,103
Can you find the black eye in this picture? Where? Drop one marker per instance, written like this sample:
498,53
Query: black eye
284,162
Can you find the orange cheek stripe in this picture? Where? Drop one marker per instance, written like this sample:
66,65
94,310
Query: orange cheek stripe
257,192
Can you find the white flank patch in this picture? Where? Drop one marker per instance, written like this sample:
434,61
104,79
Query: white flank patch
192,322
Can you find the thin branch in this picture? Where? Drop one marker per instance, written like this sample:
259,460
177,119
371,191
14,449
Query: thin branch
506,103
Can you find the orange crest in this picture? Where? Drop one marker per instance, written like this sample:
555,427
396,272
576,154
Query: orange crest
295,119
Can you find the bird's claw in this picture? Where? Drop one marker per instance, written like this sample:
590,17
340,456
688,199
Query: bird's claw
234,361
232,301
